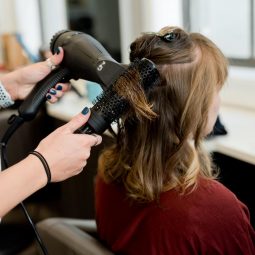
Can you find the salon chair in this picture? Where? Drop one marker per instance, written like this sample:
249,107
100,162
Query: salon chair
66,236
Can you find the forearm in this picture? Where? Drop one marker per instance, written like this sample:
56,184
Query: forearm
20,181
10,83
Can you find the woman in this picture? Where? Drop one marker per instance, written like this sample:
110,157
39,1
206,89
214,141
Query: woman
65,153
156,191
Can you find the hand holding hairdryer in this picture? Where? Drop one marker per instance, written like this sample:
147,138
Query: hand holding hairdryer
85,58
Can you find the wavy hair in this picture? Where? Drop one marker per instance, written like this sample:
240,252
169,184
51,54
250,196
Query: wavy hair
153,155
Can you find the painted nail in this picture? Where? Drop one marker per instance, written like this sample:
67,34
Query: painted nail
85,111
57,51
59,87
48,97
53,92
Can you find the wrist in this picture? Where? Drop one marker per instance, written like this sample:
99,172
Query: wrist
44,163
9,84
36,171
5,97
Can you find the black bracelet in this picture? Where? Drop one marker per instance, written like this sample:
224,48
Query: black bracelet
44,162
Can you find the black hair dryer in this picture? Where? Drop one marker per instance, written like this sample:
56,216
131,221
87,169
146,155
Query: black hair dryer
84,58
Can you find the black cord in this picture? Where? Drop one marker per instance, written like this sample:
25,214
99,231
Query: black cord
37,236
4,165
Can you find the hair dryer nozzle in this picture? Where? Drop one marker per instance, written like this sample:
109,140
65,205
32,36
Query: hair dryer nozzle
86,58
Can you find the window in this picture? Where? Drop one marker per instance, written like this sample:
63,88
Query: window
229,23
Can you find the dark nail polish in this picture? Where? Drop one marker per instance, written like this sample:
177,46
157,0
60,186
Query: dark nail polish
85,111
48,97
59,87
53,92
57,51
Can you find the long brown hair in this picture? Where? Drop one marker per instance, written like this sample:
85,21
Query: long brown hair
152,155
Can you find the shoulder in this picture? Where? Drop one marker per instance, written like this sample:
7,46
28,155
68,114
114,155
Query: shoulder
204,219
210,208
216,196
213,190
209,198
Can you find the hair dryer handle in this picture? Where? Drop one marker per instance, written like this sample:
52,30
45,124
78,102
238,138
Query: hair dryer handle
29,108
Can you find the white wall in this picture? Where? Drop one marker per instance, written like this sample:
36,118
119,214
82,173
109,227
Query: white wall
54,18
240,88
228,26
27,15
160,13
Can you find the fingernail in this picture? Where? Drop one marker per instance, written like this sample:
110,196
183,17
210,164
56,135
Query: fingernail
57,51
53,92
85,111
59,87
48,97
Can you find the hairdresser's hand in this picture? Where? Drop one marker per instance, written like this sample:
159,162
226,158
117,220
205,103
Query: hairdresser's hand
66,152
20,82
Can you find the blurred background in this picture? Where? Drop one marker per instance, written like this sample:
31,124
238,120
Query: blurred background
26,28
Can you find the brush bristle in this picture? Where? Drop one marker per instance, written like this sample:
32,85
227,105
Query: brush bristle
128,92
149,74
110,105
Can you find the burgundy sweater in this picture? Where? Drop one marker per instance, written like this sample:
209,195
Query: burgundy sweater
209,221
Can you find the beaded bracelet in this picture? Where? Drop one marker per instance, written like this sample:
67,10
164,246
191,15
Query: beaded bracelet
5,98
45,164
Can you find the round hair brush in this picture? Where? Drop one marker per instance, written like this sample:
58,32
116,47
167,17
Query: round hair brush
111,105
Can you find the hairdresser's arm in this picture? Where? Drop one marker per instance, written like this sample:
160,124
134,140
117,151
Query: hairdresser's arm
66,154
20,82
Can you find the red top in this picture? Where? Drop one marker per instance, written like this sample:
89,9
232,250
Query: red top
210,221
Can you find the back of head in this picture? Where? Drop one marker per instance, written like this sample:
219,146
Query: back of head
154,155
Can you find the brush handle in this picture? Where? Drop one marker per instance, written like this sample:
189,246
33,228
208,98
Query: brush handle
31,105
97,123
